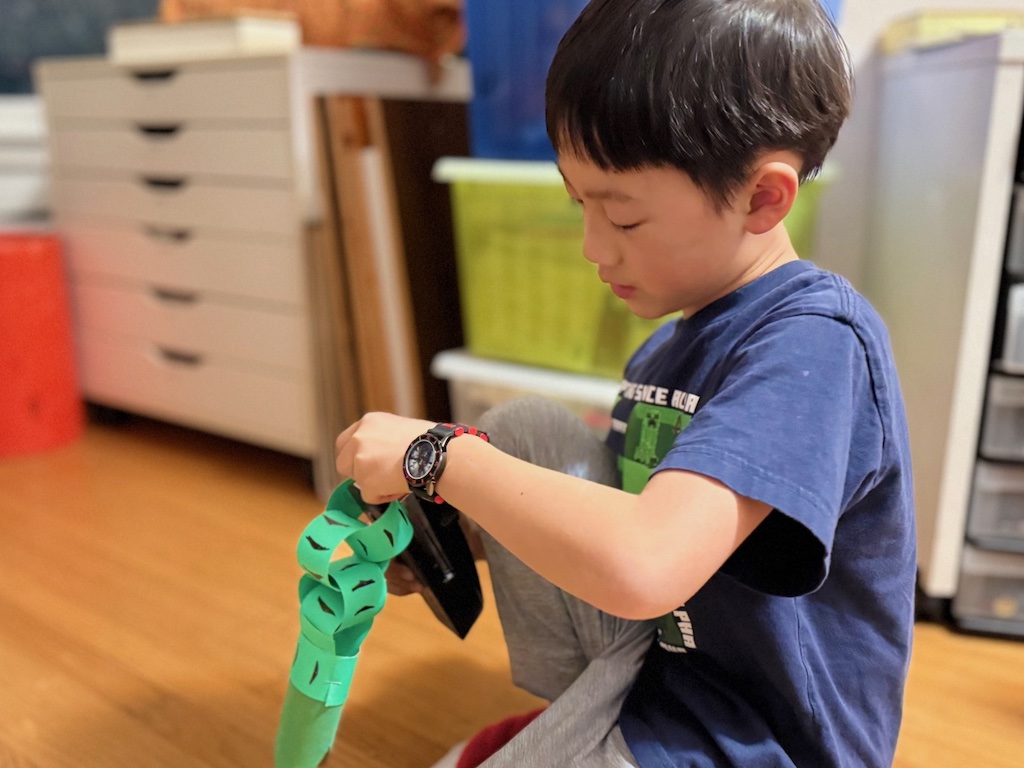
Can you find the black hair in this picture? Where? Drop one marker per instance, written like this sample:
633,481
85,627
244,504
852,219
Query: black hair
705,86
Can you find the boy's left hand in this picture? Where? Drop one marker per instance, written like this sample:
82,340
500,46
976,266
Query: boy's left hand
371,452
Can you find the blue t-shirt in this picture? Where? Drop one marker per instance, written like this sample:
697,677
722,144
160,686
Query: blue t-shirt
795,652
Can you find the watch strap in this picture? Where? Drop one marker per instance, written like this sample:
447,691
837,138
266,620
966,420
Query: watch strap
443,433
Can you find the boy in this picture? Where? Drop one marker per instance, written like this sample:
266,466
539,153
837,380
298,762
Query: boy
745,596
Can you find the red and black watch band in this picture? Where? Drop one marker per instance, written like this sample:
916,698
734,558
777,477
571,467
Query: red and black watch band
463,429
426,458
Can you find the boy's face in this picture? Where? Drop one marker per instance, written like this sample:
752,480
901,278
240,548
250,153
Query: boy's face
656,238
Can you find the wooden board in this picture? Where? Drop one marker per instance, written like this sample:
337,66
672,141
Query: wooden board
377,288
418,133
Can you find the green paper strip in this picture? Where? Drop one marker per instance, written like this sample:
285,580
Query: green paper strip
338,600
346,499
360,597
320,674
320,539
378,542
386,538
306,731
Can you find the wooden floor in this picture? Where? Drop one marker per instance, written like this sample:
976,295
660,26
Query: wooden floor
148,616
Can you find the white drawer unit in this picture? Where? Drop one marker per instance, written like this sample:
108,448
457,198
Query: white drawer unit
178,149
183,193
207,327
265,407
177,200
243,90
264,268
176,193
945,265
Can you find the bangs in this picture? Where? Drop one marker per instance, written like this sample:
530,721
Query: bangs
596,115
704,86
597,107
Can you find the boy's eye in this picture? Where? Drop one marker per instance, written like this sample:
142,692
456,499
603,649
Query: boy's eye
626,227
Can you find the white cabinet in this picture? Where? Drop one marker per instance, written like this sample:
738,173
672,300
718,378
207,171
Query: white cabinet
183,193
948,139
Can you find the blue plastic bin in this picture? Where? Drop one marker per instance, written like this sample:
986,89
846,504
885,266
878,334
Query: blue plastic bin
510,45
834,7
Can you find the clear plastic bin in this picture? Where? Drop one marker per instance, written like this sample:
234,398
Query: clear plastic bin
997,506
990,596
1015,244
475,385
1002,431
1013,339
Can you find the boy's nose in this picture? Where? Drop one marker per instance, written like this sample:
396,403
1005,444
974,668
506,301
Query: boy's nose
596,248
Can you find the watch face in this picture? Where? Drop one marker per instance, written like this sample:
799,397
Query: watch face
420,459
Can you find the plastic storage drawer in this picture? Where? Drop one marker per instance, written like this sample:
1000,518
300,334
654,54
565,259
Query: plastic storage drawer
1015,246
990,597
1002,431
1013,340
997,507
475,385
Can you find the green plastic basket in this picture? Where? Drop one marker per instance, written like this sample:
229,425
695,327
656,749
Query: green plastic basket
527,293
803,216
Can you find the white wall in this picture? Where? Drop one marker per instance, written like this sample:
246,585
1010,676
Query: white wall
842,236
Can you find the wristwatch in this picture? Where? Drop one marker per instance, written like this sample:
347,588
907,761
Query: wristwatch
426,456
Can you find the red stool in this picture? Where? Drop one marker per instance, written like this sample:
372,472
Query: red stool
40,405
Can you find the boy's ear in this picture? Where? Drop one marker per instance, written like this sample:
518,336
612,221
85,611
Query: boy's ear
771,192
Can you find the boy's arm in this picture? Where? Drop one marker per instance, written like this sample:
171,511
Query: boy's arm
634,556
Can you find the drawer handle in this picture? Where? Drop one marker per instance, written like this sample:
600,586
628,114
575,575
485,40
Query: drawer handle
176,297
180,357
155,75
163,182
159,131
174,234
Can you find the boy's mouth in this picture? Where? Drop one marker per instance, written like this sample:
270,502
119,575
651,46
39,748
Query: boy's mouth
622,291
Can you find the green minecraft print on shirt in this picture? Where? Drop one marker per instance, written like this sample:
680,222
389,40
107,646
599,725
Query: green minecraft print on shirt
650,433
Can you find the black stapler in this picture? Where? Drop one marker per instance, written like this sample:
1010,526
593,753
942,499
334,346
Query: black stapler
440,557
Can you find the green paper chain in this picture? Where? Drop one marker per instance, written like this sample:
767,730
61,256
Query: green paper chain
338,601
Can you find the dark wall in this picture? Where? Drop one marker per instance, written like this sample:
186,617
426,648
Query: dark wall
32,28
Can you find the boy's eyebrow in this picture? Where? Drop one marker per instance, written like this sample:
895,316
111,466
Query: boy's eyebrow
600,194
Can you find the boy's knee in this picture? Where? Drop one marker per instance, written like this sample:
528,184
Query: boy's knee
521,417
548,434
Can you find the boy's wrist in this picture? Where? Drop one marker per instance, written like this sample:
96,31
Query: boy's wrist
426,458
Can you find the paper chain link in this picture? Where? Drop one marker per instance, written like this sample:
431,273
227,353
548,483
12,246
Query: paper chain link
339,599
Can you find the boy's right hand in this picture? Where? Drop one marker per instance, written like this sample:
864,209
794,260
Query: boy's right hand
401,579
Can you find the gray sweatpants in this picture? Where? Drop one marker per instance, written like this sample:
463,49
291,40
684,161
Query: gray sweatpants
564,650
